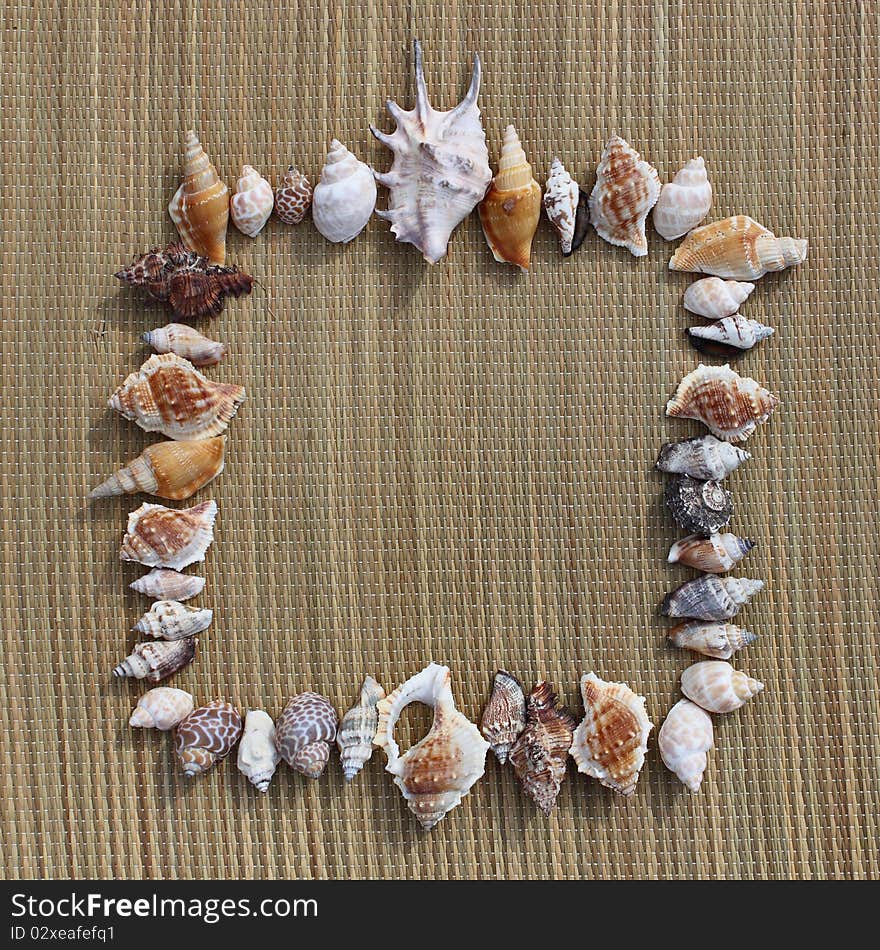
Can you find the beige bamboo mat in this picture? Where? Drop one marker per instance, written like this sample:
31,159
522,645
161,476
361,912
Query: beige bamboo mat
448,463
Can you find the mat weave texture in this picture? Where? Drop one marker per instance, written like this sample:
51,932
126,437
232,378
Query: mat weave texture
449,463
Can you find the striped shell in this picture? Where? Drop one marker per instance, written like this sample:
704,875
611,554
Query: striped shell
200,207
504,717
714,555
683,202
358,729
710,638
169,537
156,660
711,598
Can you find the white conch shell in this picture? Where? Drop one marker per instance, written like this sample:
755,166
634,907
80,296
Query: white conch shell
161,708
170,620
715,298
717,686
251,205
561,196
186,342
738,333
258,757
440,170
357,728
345,196
684,739
683,202
164,584
438,771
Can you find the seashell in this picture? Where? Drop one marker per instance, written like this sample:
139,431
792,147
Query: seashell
737,248
541,751
156,660
504,717
626,189
718,640
710,597
345,196
683,202
207,736
293,196
167,537
729,405
439,770
357,729
611,741
251,205
702,508
684,739
161,708
703,457
258,757
170,620
581,220
715,298
717,686
561,199
173,470
440,169
164,584
169,395
190,284
304,731
512,207
714,555
200,207
729,337
185,342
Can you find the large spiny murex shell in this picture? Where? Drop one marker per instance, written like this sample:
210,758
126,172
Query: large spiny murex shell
164,584
156,660
684,739
717,687
169,537
715,555
258,755
703,457
304,731
440,169
683,202
357,729
161,708
171,620
200,207
711,598
185,341
710,638
504,717
206,736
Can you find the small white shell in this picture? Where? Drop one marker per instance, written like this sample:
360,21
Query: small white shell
717,686
170,620
161,708
737,332
186,342
684,202
684,739
561,196
715,298
164,584
258,757
345,196
251,205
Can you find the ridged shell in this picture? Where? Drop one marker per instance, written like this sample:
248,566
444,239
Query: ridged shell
172,470
729,405
626,189
293,196
561,198
611,741
171,620
167,537
702,508
702,457
684,739
186,342
737,248
439,770
161,708
156,660
200,207
714,555
710,597
304,732
345,197
164,584
207,736
169,395
251,205
504,717
711,638
683,202
715,298
540,753
258,756
717,687
358,728
440,170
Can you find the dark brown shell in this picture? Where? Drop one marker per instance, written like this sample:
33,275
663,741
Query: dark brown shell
581,221
699,507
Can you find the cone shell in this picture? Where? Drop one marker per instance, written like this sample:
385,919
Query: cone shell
611,741
357,729
504,717
156,660
164,584
166,537
700,507
173,470
184,341
169,395
540,753
258,756
729,405
251,205
206,736
345,197
711,598
703,457
729,337
684,202
161,708
715,298
171,620
718,640
561,198
200,208
737,248
684,739
439,770
717,687
304,731
713,555
626,189
293,196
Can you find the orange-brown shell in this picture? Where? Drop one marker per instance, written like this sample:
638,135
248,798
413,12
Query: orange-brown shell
167,537
200,207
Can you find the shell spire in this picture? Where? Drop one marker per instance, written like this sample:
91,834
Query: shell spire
200,207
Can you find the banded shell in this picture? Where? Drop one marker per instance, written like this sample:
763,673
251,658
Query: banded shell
169,395
737,248
161,708
715,298
304,731
684,739
293,196
167,537
345,197
714,555
702,457
185,342
171,620
611,741
440,169
540,753
504,717
439,770
683,202
258,756
729,337
164,584
172,470
718,640
251,205
358,728
561,198
717,687
702,508
200,207
710,597
729,405
626,189
156,660
207,736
